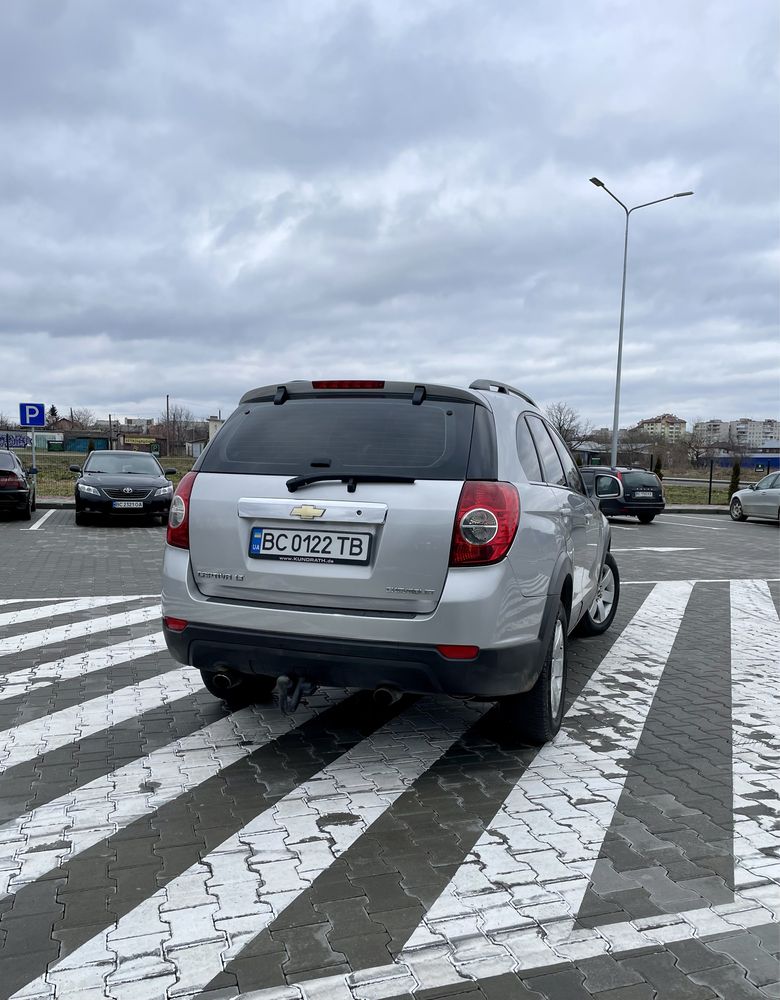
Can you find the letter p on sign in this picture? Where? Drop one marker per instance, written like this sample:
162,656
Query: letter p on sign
32,414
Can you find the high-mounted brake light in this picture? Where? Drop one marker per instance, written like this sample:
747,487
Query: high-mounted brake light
348,384
179,516
485,523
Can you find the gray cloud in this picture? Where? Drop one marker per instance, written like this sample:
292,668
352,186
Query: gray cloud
196,198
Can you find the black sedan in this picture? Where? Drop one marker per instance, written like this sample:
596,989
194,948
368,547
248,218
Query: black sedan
17,486
118,483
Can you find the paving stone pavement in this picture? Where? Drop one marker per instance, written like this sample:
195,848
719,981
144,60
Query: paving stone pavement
154,844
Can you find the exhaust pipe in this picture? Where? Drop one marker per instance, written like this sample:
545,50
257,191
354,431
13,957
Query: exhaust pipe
385,697
223,681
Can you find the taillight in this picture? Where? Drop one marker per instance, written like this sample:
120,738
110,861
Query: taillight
364,383
10,481
485,523
179,515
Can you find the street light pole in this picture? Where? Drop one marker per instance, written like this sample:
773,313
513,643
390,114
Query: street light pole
628,211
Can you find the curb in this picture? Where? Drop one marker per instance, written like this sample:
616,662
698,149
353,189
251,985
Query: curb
702,508
54,503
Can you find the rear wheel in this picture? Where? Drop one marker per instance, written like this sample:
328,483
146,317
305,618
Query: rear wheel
26,512
34,502
736,511
601,613
535,716
238,689
645,518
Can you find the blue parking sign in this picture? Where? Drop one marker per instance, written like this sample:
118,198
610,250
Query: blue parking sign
32,414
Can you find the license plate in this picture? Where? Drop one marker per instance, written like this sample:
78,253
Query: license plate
125,504
310,545
644,494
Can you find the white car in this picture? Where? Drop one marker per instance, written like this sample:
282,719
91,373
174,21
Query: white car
761,499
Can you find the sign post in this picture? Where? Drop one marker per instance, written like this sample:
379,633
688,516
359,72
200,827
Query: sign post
32,415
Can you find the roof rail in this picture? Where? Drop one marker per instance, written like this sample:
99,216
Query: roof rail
491,385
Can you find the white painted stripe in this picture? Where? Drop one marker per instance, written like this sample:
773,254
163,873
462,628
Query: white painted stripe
79,721
42,675
716,579
209,913
533,864
755,655
659,548
32,845
40,521
61,633
69,607
696,527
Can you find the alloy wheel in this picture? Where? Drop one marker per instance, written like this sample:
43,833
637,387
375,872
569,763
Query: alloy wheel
556,668
605,596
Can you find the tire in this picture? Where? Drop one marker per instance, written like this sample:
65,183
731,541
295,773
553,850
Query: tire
645,518
26,512
597,619
245,690
535,716
81,518
34,502
735,510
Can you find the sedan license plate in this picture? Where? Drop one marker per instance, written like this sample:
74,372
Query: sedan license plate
644,494
125,504
310,545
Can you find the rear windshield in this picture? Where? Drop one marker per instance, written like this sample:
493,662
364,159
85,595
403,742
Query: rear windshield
6,462
370,436
634,479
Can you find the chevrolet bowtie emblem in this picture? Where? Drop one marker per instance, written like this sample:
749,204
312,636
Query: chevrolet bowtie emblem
307,512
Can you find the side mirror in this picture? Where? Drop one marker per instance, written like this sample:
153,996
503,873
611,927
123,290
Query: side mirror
170,472
74,468
753,486
606,486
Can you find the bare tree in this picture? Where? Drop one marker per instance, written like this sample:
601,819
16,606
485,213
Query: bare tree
177,425
82,417
5,422
573,428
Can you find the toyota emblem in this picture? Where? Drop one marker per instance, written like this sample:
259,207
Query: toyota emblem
128,489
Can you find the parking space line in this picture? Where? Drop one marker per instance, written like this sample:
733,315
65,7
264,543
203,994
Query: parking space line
687,524
40,521
61,633
660,548
81,818
31,739
61,608
240,887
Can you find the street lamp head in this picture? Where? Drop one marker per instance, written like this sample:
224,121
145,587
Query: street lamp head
683,194
597,182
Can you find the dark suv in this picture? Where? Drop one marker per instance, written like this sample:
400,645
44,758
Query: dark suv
635,492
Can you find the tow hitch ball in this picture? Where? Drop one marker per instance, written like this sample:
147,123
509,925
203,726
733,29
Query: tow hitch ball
291,690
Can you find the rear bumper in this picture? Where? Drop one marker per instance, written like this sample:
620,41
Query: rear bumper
357,663
13,498
618,507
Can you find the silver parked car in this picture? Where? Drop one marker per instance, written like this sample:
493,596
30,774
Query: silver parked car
761,499
394,536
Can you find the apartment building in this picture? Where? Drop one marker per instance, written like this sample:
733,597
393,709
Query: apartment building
666,427
745,431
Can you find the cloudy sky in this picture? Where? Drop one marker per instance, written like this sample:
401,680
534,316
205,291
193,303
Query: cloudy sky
201,197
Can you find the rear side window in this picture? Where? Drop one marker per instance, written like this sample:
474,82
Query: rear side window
551,464
526,451
369,436
633,479
7,463
570,468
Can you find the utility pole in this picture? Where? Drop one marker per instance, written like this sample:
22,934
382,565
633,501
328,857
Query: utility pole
110,434
168,425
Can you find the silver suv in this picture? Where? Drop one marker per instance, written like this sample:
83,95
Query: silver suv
394,536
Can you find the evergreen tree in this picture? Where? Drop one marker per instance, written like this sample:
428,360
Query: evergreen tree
657,469
734,484
52,416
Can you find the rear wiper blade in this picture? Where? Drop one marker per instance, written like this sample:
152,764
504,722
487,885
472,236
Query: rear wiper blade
298,481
